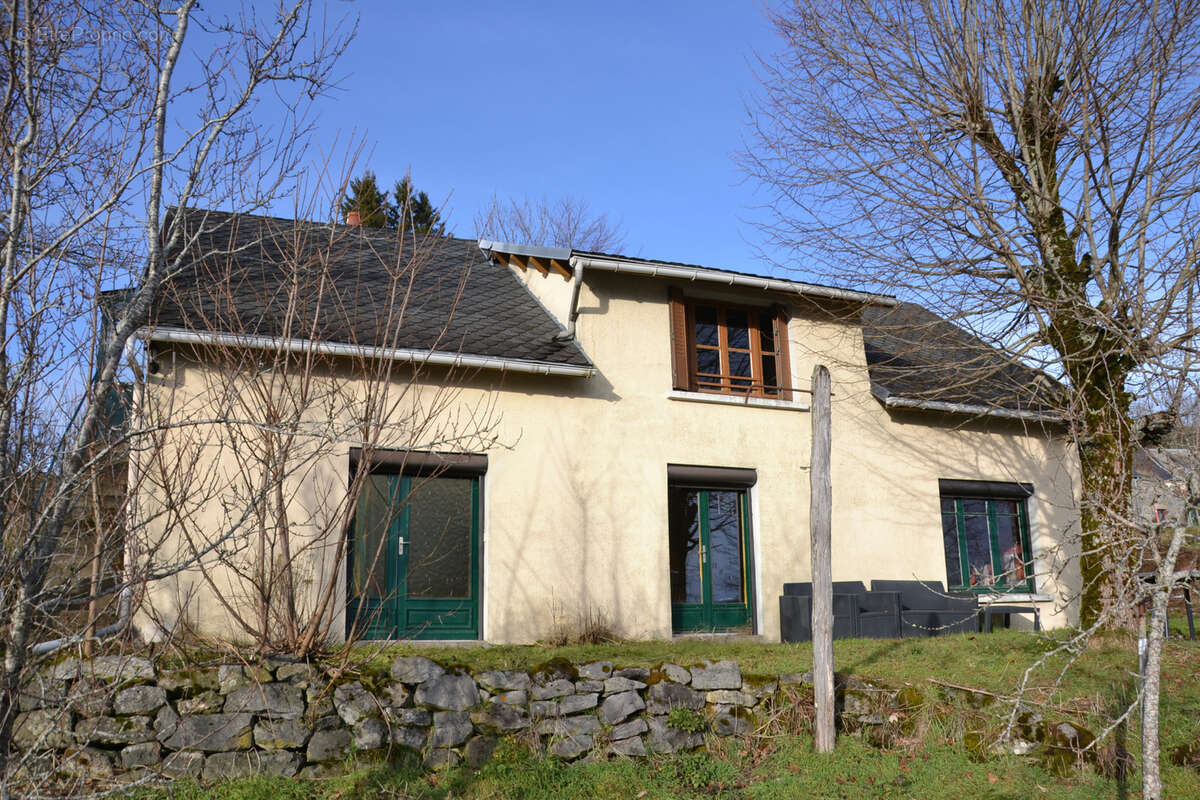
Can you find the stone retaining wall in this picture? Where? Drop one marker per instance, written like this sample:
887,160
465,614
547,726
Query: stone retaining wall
113,717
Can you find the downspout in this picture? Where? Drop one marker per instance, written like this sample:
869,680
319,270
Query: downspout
572,313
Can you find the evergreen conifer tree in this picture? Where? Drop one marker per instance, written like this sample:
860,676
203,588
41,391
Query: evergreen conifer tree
366,198
415,209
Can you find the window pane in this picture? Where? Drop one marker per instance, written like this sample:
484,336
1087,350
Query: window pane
974,506
725,546
706,326
1005,507
708,364
738,323
439,537
371,521
739,364
1012,556
770,380
950,540
947,505
683,523
766,328
979,550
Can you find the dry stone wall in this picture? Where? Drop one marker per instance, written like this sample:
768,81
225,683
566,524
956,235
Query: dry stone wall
118,717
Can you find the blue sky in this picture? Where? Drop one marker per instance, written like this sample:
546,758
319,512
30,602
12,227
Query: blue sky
636,107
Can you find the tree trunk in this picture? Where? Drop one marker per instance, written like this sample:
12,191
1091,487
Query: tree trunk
93,611
1152,788
1110,551
1152,671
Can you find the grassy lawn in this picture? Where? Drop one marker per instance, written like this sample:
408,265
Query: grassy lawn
930,763
994,662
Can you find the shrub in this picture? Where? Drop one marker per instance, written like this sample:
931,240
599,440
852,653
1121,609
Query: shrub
685,719
587,624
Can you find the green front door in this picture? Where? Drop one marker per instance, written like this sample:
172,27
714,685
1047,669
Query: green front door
414,561
710,560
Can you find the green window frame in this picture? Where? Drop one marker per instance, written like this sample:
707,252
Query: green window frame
986,538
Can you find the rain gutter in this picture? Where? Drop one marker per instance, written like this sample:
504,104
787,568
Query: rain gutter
727,279
438,357
966,408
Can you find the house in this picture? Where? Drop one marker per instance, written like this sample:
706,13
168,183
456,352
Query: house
578,433
1160,485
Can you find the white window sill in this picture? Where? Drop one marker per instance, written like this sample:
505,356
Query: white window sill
731,400
1015,597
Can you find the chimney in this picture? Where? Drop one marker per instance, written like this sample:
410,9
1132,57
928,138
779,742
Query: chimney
353,219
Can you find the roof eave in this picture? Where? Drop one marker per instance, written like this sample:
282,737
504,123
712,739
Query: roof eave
543,259
412,355
896,402
660,270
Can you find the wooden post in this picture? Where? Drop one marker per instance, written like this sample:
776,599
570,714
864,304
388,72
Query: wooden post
820,516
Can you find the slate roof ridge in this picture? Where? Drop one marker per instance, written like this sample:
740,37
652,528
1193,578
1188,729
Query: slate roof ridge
388,233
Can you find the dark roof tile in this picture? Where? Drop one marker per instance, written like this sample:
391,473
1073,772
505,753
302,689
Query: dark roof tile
915,354
279,277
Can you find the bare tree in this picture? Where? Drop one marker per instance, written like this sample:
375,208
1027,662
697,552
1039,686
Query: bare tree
1031,169
565,222
244,448
111,112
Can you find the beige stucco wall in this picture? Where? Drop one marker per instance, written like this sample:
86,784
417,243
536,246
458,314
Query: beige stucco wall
575,500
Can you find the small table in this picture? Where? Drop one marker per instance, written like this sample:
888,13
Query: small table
988,611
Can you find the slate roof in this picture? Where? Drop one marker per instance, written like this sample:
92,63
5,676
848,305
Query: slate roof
460,302
340,279
915,354
1163,463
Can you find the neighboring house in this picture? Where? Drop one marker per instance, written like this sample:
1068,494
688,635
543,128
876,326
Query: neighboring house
1160,485
647,444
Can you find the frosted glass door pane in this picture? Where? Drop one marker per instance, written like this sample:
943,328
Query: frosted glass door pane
371,521
439,538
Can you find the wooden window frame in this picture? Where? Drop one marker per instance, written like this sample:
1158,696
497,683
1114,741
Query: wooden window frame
684,348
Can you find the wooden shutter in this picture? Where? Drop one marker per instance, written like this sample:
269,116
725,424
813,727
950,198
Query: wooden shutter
681,374
783,360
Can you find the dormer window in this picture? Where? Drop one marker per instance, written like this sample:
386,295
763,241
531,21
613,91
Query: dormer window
729,349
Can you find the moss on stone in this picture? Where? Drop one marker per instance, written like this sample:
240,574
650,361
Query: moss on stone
909,698
553,670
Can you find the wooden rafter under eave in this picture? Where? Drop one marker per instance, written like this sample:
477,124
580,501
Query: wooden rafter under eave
542,265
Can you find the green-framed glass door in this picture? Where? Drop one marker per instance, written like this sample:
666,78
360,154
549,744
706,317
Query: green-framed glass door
710,560
414,566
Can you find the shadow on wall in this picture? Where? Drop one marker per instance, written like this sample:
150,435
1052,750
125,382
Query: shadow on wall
581,572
